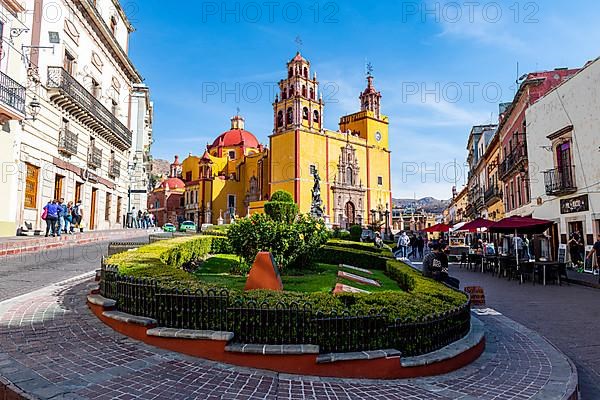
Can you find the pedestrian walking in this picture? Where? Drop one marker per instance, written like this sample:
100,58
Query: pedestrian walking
61,207
595,251
69,218
51,216
414,252
574,250
420,246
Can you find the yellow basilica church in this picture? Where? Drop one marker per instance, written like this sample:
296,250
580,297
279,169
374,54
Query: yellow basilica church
236,174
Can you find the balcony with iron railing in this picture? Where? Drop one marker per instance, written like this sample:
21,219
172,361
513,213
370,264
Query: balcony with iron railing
12,99
492,195
513,160
68,93
94,157
114,168
67,142
560,181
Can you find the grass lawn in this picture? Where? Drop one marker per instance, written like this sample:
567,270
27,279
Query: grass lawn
322,278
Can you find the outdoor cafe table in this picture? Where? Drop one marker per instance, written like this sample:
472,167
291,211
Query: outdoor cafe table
545,264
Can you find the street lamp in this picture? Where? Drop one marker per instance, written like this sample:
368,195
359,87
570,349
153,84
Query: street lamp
131,167
373,223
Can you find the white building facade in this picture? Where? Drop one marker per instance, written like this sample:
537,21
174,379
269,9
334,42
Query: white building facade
76,141
564,156
140,163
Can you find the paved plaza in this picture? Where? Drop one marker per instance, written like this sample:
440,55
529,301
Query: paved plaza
53,347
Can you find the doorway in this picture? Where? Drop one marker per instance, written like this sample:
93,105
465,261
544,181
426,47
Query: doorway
93,209
350,214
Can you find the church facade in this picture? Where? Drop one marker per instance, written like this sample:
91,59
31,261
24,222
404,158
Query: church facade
236,174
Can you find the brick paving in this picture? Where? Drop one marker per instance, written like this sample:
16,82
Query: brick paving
51,346
567,315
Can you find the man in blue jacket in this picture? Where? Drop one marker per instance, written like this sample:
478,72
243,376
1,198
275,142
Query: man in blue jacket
51,217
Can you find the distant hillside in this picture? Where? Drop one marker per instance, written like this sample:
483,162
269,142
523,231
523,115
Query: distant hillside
161,168
428,204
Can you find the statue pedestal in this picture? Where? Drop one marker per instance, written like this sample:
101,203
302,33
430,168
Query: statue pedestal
264,274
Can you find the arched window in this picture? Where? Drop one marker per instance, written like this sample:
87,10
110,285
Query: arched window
279,119
349,176
312,93
306,72
290,72
305,113
316,117
292,92
289,116
284,94
303,91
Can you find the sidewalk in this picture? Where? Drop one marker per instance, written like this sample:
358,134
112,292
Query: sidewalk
52,346
584,279
24,244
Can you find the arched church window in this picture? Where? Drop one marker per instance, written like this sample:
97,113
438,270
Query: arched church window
306,72
290,72
305,113
316,116
349,176
303,91
312,93
279,119
289,116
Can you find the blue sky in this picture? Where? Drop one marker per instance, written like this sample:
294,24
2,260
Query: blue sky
441,67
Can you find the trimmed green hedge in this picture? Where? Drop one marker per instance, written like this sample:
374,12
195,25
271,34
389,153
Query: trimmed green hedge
401,274
186,252
362,246
358,258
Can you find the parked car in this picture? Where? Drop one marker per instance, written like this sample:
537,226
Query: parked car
188,226
168,227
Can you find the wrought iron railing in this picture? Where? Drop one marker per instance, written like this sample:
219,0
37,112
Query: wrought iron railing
94,157
282,323
560,180
114,168
67,142
492,194
12,93
513,160
59,78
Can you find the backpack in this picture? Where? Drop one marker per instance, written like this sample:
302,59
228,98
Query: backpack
75,211
45,214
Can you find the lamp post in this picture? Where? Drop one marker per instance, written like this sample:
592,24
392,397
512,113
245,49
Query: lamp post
131,167
373,223
387,220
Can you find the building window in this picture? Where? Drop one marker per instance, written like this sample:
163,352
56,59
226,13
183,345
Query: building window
289,116
230,201
303,90
280,119
231,154
305,113
188,176
316,117
512,195
58,187
311,91
69,62
107,208
519,198
156,204
312,169
380,180
31,185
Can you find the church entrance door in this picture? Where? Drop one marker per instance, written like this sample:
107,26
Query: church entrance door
350,214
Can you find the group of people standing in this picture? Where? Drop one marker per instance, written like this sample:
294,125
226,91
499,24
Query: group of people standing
410,247
577,249
62,217
141,219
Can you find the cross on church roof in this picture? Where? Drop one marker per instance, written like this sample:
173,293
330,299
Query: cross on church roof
298,42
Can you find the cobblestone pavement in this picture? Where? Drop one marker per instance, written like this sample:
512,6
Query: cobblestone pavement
23,273
567,315
52,346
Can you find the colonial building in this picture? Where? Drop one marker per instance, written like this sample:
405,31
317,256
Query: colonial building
75,140
12,111
236,174
564,147
514,169
166,202
479,138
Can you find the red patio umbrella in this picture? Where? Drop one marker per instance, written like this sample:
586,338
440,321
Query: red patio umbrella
523,225
477,224
438,228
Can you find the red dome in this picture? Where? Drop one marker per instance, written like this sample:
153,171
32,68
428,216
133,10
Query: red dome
235,137
173,183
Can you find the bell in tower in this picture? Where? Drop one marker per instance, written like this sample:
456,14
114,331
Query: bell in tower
370,99
298,106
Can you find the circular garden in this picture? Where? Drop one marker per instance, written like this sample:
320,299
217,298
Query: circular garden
197,282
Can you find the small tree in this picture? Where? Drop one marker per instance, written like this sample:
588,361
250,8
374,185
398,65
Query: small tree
355,232
281,207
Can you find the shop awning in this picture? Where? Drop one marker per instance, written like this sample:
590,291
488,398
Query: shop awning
477,225
438,228
523,225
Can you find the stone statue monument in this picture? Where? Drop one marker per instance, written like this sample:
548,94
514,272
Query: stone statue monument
316,209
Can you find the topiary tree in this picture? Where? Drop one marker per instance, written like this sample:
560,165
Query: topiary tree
281,207
355,232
